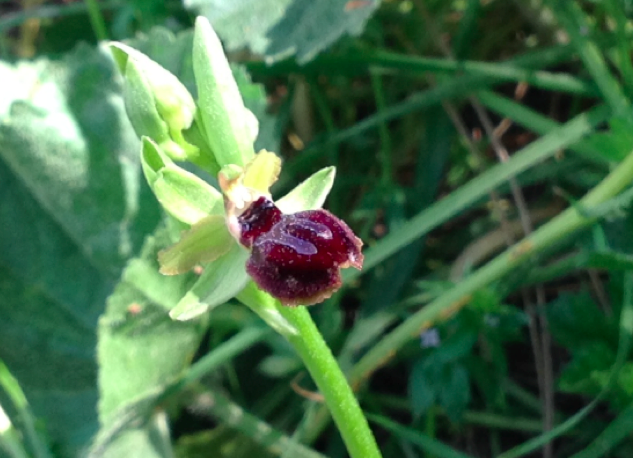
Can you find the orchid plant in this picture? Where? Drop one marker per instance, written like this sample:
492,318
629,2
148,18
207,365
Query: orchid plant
275,256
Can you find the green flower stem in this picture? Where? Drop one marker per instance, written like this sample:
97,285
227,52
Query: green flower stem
571,220
332,384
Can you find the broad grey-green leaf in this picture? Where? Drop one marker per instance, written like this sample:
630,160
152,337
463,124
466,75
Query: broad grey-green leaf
21,78
72,146
149,441
309,194
281,28
140,347
73,208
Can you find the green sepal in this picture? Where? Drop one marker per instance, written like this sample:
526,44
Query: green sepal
267,307
310,194
227,125
182,194
220,281
158,104
205,242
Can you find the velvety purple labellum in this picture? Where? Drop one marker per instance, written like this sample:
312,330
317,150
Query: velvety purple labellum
297,258
257,220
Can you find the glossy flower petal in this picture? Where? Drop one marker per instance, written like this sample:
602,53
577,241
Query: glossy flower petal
257,220
297,258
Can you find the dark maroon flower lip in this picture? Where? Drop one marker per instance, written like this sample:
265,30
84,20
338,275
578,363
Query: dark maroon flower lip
258,219
297,257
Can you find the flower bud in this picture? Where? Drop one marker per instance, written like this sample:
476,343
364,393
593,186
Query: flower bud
159,106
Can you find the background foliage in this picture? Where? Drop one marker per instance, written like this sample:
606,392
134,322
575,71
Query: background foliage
456,128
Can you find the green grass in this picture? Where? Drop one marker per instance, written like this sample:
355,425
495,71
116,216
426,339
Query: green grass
417,178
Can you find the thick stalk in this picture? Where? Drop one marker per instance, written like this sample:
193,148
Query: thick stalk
332,384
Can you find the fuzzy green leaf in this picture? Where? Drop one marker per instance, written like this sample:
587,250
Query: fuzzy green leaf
73,208
141,349
282,28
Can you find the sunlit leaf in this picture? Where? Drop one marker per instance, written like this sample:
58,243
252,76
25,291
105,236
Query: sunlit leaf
74,208
282,28
310,194
141,349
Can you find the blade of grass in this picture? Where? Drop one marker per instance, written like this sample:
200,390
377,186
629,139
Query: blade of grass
427,444
617,13
96,20
626,336
513,70
9,438
528,118
493,71
26,418
617,431
226,411
468,28
573,19
477,188
383,131
476,418
10,20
